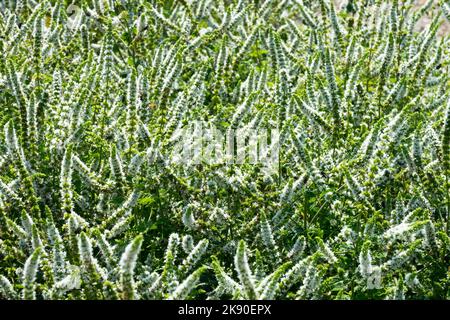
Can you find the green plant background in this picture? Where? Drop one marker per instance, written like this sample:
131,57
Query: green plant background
91,208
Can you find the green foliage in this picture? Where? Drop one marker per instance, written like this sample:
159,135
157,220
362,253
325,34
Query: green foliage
91,98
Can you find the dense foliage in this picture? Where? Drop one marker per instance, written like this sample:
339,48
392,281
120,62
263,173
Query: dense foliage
92,207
